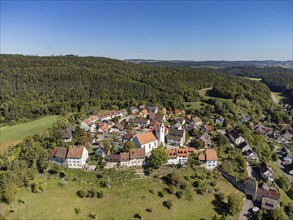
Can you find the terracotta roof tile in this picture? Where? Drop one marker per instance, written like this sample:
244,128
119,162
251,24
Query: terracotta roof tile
75,152
146,138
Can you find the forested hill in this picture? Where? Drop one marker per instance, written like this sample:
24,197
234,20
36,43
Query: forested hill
277,78
33,86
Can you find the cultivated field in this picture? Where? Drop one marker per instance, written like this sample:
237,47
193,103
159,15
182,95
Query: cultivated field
11,135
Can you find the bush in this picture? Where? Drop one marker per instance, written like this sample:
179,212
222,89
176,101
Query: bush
168,204
161,194
93,215
149,209
179,194
38,186
77,211
137,215
100,194
152,191
81,193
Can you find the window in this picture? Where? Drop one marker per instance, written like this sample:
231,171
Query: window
269,205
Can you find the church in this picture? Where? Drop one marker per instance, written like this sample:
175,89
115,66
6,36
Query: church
150,140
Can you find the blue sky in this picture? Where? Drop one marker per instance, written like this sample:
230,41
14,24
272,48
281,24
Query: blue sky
181,30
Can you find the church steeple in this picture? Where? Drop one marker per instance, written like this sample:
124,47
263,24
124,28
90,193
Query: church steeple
160,133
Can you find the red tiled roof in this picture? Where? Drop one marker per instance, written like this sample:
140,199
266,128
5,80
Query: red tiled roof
61,152
75,152
146,138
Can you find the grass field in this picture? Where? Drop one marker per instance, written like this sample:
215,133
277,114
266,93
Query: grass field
278,95
252,78
120,202
194,105
11,135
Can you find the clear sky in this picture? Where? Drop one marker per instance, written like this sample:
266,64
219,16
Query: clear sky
182,30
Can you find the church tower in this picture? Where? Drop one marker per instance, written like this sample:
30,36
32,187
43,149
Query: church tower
160,133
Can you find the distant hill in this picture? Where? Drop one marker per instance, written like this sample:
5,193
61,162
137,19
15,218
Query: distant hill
215,64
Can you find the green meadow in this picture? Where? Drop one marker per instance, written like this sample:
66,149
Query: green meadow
11,135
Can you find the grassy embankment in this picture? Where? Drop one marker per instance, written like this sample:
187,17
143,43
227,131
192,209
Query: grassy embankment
124,199
11,135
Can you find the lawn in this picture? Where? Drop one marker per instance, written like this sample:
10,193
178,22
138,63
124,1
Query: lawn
121,201
11,135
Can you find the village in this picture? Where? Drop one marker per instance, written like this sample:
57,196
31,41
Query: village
127,137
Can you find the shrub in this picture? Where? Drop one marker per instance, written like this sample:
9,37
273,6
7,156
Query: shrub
93,215
179,194
38,186
100,194
137,215
149,209
168,204
77,211
81,193
161,194
188,195
152,191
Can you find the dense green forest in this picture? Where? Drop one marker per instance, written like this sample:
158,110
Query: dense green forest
277,78
33,86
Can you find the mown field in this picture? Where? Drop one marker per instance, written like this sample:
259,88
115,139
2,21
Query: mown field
11,135
252,78
122,200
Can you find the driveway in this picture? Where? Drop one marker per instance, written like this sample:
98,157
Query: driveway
245,213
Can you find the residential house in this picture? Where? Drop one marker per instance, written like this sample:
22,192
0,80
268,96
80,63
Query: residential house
210,158
177,126
243,146
179,155
135,157
133,110
152,109
140,122
198,122
268,197
179,112
103,127
100,152
77,156
176,137
234,136
58,155
220,120
160,118
128,137
93,118
88,125
207,128
288,136
250,156
68,133
287,160
266,172
190,126
118,127
246,119
144,113
73,157
206,139
284,152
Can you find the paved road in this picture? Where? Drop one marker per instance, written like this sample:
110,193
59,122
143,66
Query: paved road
248,204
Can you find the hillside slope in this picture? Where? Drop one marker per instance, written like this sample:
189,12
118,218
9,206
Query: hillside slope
35,86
